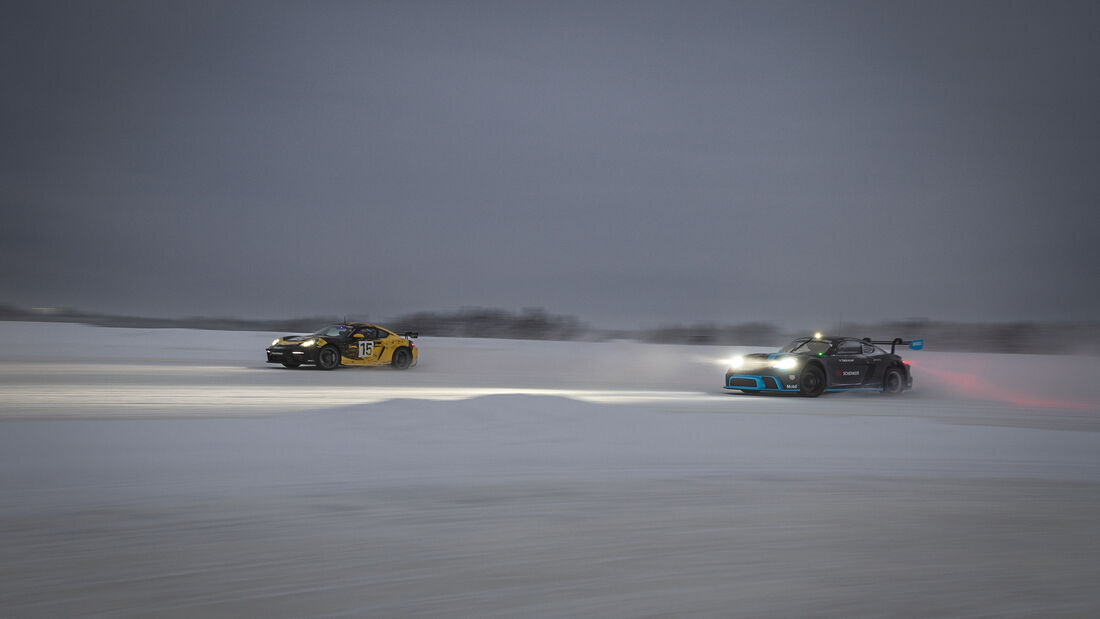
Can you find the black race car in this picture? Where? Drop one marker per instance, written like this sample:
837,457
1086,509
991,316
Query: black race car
814,365
352,343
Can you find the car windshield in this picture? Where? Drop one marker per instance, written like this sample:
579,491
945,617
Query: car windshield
334,331
807,345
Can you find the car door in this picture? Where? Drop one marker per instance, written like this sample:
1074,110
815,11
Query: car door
361,345
876,364
850,365
368,345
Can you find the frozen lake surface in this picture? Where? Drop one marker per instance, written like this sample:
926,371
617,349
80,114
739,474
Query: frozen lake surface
173,473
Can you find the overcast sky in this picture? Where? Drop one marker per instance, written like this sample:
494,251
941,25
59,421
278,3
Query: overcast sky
632,163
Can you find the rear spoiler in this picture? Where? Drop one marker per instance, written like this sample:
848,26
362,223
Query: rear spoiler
410,334
912,344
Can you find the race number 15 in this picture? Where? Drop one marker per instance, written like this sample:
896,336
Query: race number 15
365,349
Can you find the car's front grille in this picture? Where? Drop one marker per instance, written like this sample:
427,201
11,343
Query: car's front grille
742,382
770,383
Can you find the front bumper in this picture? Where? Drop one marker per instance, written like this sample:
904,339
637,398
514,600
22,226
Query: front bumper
762,382
279,354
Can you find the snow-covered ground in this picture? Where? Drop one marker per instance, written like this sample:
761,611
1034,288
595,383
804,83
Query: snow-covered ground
174,473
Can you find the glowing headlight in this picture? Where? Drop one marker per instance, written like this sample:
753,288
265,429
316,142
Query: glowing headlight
308,343
736,363
785,363
274,341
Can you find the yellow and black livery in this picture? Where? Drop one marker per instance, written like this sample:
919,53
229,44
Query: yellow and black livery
349,343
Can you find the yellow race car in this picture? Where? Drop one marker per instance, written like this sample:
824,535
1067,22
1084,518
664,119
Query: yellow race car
352,343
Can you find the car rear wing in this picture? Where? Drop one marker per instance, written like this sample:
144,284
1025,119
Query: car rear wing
408,335
912,344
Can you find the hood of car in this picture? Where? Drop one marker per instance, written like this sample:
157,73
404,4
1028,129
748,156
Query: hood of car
294,339
768,356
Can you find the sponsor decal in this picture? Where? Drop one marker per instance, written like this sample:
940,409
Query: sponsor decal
851,373
795,386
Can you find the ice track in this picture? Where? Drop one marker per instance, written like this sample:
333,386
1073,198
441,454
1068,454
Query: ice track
172,473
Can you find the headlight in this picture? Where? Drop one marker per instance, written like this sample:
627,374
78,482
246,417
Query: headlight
274,341
736,363
786,363
308,343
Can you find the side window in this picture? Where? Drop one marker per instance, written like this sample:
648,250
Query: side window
868,349
848,347
369,333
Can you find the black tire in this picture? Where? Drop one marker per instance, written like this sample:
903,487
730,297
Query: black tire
812,382
893,382
291,364
328,358
402,359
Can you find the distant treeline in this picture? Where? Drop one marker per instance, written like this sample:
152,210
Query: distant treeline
57,314
538,324
1015,337
530,324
